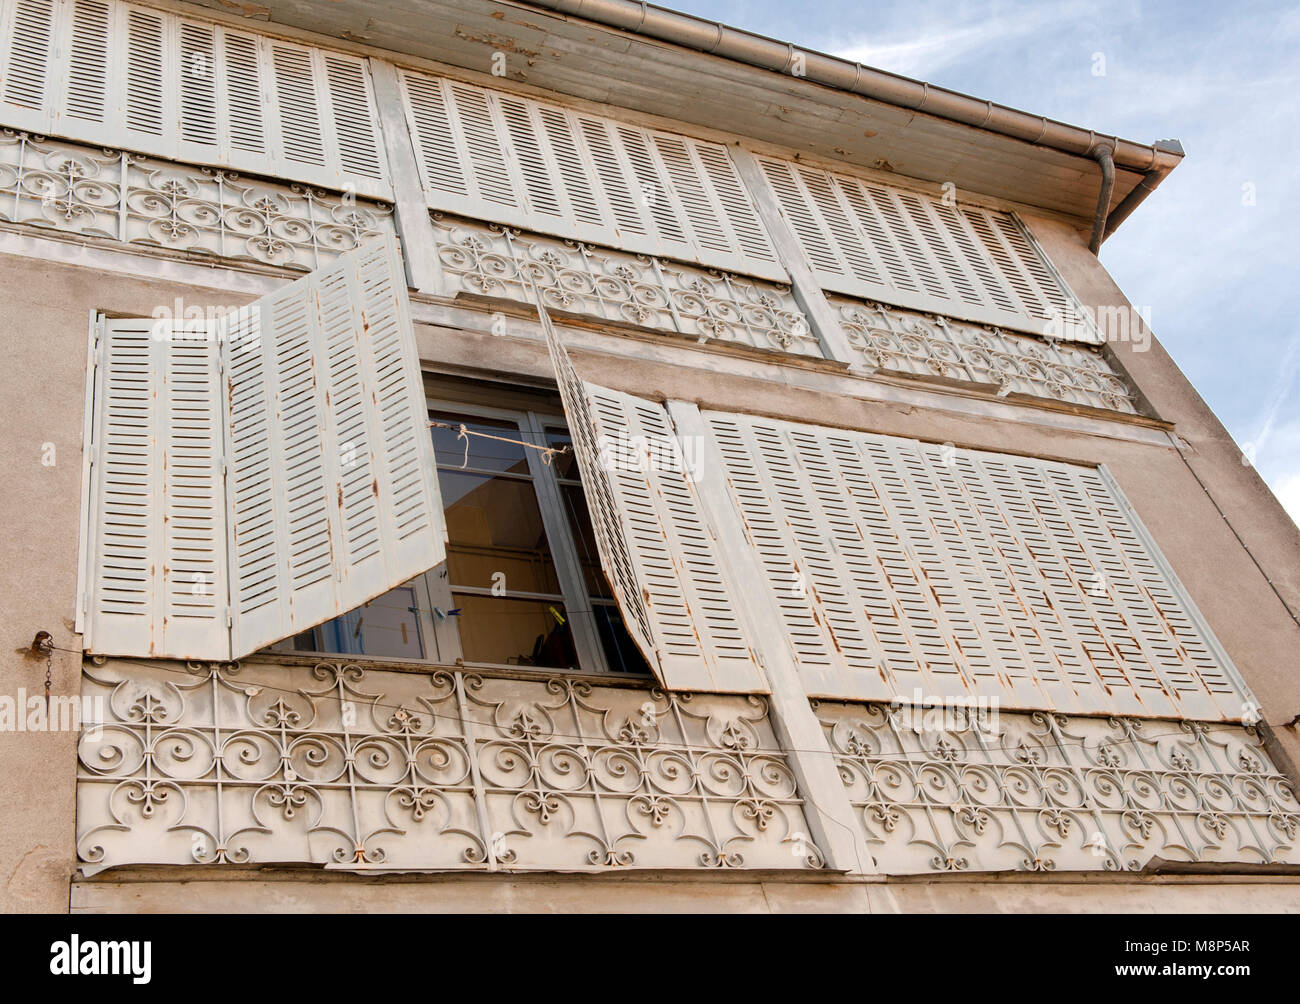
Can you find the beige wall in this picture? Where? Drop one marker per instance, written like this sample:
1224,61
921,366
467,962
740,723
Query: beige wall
670,893
46,310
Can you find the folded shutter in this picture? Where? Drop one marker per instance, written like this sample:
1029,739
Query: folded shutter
902,247
157,581
897,566
658,551
313,398
496,156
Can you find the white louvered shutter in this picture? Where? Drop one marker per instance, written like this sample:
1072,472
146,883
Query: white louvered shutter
902,247
496,156
313,399
27,77
655,544
157,577
899,566
333,494
125,76
86,52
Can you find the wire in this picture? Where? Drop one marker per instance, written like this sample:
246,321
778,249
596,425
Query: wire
377,667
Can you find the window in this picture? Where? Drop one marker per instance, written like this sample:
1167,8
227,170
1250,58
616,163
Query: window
523,583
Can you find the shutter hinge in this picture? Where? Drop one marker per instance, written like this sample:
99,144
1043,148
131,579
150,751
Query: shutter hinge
230,619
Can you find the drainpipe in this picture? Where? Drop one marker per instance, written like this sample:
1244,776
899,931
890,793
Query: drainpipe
1102,155
1131,201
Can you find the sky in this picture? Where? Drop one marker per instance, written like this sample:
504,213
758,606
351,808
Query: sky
1214,253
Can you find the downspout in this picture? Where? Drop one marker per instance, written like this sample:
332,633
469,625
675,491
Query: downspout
1102,155
1134,198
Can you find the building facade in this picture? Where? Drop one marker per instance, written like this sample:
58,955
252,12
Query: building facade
570,455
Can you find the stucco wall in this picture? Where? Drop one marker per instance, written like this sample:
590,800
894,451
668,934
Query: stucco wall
45,310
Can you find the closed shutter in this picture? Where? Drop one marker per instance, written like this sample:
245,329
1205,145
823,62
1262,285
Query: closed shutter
496,156
27,46
871,240
111,73
899,566
313,400
659,553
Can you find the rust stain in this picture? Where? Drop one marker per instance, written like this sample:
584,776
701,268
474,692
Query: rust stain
869,133
374,487
498,15
340,496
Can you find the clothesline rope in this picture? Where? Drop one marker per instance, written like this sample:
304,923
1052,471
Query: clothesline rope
464,432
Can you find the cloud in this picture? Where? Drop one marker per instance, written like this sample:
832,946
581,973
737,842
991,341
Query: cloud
930,44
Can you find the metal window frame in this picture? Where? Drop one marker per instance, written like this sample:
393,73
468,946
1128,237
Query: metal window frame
433,590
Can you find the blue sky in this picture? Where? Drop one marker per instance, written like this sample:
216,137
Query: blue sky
1221,277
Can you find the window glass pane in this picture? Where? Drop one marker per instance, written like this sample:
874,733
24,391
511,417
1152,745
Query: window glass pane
484,454
621,652
515,632
386,626
496,535
565,464
584,538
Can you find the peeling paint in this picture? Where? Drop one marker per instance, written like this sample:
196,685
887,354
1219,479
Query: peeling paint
254,10
504,44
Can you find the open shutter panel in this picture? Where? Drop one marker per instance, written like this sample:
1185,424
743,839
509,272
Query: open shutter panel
119,75
897,566
902,247
311,401
655,545
497,156
157,581
333,494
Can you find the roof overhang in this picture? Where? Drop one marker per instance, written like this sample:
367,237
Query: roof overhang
660,62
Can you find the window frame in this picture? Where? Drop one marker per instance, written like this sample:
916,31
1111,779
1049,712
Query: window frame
433,589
